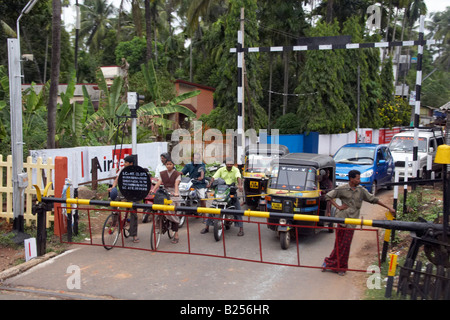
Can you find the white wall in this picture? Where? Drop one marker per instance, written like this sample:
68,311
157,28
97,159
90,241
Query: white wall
79,159
329,144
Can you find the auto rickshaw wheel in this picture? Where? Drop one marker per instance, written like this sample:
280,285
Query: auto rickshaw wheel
285,239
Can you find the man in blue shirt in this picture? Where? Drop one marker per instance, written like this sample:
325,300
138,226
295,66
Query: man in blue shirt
196,170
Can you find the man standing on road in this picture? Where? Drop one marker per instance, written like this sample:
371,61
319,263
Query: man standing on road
113,194
351,195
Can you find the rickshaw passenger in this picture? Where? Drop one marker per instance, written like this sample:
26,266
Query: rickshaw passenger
325,185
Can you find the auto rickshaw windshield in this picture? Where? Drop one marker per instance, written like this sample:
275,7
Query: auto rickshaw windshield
294,178
258,162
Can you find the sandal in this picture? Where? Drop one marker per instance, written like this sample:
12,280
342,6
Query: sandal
204,231
175,240
240,233
136,240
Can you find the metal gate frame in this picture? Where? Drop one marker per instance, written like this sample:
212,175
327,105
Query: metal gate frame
190,251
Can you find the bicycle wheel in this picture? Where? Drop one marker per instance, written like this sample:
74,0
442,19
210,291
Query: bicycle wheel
126,226
182,216
155,235
111,231
170,232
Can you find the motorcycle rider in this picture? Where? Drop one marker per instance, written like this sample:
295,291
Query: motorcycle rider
230,174
197,170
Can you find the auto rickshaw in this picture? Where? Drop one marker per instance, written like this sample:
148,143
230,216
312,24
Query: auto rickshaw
258,159
298,186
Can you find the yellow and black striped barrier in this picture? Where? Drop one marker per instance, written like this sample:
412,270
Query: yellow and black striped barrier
385,224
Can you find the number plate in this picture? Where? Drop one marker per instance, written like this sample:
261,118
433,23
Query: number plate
277,206
254,184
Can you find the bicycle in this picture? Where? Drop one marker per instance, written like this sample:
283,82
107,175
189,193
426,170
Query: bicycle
160,226
112,228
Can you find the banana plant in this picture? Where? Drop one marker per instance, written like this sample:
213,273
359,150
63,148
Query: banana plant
100,126
152,114
71,118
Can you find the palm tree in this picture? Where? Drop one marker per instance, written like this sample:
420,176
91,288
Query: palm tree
440,30
95,22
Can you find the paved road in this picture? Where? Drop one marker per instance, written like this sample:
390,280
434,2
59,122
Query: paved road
141,274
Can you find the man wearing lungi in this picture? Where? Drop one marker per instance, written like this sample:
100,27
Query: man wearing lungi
351,195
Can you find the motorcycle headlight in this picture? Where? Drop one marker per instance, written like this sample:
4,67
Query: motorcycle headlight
192,194
282,221
367,174
220,196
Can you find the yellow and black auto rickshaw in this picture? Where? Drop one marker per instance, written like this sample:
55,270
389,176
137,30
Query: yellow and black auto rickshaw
298,186
258,159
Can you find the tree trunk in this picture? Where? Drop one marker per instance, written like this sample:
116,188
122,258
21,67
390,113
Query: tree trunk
148,30
329,17
54,77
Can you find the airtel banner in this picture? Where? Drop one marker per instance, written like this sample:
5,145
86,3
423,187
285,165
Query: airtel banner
110,161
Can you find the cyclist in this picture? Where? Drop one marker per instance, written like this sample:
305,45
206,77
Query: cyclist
171,179
230,174
114,193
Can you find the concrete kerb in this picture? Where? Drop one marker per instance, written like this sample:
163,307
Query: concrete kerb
13,271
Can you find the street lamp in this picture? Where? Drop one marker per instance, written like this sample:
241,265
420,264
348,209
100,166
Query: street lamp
133,104
19,178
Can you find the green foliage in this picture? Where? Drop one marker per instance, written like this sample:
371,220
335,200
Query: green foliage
151,114
321,104
420,203
133,51
387,80
227,70
395,113
290,123
100,126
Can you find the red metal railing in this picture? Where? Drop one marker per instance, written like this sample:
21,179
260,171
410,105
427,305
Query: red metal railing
257,245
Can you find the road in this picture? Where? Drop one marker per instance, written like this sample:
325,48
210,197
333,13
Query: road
91,272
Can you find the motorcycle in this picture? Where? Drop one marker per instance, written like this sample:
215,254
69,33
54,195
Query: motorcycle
189,196
224,197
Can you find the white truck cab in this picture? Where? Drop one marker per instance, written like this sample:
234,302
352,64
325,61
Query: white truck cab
401,147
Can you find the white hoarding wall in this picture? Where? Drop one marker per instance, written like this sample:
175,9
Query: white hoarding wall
329,144
79,159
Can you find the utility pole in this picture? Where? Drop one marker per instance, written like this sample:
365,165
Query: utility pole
357,117
19,178
240,92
